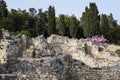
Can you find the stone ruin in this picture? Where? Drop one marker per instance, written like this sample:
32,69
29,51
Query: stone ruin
55,58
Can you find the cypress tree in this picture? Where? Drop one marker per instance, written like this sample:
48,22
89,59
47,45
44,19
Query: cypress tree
112,22
61,25
51,20
39,23
90,21
104,25
3,13
73,26
32,21
3,9
67,25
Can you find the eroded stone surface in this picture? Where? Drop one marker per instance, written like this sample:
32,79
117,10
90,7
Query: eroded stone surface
84,51
54,58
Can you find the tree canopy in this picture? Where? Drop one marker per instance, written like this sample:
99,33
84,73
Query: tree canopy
37,22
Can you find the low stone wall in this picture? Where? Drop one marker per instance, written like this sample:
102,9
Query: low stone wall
96,74
81,74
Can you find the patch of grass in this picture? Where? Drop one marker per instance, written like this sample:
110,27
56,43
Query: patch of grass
118,52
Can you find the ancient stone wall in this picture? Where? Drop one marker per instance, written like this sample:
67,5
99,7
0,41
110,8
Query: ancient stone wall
96,74
55,58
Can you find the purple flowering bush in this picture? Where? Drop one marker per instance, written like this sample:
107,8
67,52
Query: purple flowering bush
99,40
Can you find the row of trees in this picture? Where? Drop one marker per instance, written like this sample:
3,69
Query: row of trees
94,24
36,22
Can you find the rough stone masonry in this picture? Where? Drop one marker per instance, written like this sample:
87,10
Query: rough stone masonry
55,58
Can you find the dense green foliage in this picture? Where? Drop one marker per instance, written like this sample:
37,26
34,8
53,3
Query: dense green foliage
51,20
91,21
74,25
25,32
36,22
104,25
3,9
61,24
41,23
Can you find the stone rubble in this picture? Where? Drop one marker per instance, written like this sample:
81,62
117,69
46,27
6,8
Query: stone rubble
54,58
84,51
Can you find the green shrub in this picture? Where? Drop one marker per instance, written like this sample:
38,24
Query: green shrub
25,32
118,52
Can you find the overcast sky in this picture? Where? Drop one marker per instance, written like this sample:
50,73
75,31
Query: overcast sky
69,7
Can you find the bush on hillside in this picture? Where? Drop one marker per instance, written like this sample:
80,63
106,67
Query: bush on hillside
25,32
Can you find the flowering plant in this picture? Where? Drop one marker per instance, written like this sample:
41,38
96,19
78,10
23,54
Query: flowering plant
99,40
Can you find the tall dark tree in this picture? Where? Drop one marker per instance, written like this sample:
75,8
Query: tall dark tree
90,20
61,25
114,36
51,20
67,25
39,26
41,23
80,33
17,19
25,17
74,24
32,21
110,28
32,11
3,13
7,24
112,22
104,25
3,9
